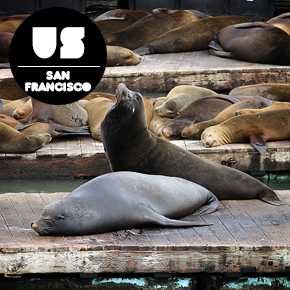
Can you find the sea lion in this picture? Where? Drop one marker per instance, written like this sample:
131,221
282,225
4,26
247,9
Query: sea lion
254,42
10,106
254,128
118,19
93,95
149,104
23,112
274,106
282,21
54,130
194,131
10,90
11,23
150,27
179,98
271,91
11,122
125,200
117,55
190,37
130,146
12,141
72,115
97,110
157,120
203,109
5,41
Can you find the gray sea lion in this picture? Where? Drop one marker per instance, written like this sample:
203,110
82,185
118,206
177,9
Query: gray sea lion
97,110
118,19
124,200
117,55
179,98
72,115
254,42
129,145
203,109
149,27
190,37
10,90
271,91
5,41
194,131
282,21
11,23
12,141
256,128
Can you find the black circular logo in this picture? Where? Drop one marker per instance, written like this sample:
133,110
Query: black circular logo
58,55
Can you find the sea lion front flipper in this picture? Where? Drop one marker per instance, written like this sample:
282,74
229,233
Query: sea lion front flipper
248,25
153,218
259,143
220,53
211,206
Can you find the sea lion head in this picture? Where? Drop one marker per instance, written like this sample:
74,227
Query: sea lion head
211,138
167,109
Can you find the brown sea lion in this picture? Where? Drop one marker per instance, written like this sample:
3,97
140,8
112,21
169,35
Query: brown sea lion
179,98
149,27
190,37
271,91
11,122
275,106
282,21
12,141
254,128
203,109
194,131
118,19
117,55
130,146
157,120
11,23
149,104
97,110
254,42
10,106
23,112
94,95
72,115
5,41
10,90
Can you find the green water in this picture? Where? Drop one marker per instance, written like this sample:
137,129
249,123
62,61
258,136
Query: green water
280,181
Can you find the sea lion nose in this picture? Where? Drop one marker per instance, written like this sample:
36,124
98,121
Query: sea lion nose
32,224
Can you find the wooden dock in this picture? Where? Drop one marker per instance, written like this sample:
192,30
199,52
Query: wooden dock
162,72
85,157
246,236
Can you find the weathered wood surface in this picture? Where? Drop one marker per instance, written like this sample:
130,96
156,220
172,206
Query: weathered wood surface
85,157
246,236
162,72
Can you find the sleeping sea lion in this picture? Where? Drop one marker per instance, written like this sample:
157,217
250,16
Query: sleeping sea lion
271,91
194,131
254,128
11,23
23,112
117,55
254,42
130,146
10,90
190,37
274,106
179,98
125,200
5,41
282,21
149,27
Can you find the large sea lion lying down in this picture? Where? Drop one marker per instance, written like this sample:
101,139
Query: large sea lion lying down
124,200
129,145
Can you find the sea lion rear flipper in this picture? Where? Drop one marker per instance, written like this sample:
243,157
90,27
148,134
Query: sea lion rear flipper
211,206
271,197
220,53
259,143
153,218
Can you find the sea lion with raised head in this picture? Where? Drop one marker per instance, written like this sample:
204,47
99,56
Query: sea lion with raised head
254,42
149,27
256,128
130,146
194,131
125,200
190,37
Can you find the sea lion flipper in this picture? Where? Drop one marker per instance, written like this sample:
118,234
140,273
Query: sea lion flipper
211,206
250,25
271,198
259,143
1,105
153,218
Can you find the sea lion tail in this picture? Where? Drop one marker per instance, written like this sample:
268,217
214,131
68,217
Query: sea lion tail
153,218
